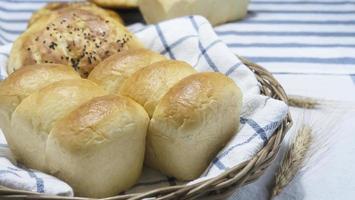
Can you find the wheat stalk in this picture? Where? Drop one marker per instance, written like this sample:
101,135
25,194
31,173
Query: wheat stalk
302,102
293,160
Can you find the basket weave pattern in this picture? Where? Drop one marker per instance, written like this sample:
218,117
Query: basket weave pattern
225,183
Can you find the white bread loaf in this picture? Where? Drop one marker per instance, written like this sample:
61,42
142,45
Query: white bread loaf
216,11
56,124
99,147
18,86
33,119
191,123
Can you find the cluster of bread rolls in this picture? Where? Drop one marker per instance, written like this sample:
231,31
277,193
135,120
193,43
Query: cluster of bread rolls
135,107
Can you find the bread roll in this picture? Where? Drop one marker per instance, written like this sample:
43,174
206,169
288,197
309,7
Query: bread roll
148,85
116,3
46,11
79,36
21,84
216,11
113,71
191,123
33,119
99,147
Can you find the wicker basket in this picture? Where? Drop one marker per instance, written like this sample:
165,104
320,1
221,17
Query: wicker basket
221,185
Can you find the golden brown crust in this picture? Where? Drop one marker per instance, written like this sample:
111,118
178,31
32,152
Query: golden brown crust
72,35
116,3
191,123
99,147
113,71
46,11
33,119
33,77
23,83
149,84
97,121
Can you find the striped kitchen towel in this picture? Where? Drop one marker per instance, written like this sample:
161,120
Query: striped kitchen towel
197,44
285,36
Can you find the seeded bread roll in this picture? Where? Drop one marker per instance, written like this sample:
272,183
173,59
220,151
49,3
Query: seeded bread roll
149,84
99,147
113,71
191,123
79,36
22,84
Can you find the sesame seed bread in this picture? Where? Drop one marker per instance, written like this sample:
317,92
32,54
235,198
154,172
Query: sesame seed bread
80,36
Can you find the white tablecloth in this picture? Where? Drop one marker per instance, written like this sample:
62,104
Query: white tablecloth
309,45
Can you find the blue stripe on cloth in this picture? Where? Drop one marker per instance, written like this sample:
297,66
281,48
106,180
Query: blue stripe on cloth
231,69
163,40
2,172
285,33
204,50
217,160
13,20
290,45
179,41
39,181
340,60
339,12
259,130
302,22
256,2
5,39
14,9
353,78
17,32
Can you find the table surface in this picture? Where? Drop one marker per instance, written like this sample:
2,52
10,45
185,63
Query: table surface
309,46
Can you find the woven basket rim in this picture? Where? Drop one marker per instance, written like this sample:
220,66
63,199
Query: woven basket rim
242,174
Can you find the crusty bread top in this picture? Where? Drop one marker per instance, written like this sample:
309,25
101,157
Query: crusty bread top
98,121
113,71
34,77
181,106
149,84
47,105
47,10
80,36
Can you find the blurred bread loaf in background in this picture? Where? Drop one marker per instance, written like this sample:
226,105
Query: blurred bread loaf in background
116,3
216,11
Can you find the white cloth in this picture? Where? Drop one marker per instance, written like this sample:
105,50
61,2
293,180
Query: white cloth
197,44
